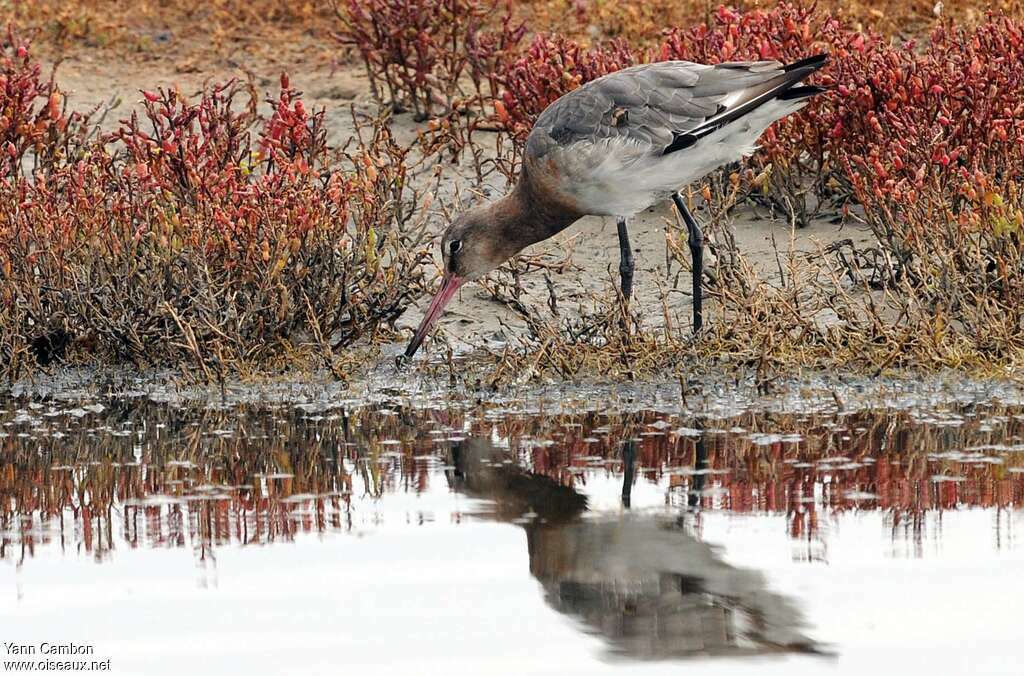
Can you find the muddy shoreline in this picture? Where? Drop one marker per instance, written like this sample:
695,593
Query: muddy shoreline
714,393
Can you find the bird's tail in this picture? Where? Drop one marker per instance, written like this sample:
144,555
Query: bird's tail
802,69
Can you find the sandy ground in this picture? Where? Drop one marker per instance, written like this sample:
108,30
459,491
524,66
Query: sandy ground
91,78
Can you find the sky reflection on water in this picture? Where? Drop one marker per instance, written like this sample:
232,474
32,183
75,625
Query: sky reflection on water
473,539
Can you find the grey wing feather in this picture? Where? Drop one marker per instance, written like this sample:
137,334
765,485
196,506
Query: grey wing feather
649,104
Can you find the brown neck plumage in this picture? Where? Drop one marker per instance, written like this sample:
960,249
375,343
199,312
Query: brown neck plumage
529,214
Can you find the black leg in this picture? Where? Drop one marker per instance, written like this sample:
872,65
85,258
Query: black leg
626,263
628,461
697,254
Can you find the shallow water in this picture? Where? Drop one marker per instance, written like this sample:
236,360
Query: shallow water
469,538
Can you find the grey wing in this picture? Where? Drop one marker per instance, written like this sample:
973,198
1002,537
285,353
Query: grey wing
649,105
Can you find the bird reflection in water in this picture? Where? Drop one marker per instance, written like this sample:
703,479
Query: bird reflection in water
640,581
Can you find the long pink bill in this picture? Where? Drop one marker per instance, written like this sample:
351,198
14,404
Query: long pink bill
449,285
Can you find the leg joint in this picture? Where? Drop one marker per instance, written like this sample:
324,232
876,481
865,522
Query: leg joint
627,263
696,237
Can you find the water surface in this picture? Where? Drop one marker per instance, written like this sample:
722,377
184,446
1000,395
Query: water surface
466,537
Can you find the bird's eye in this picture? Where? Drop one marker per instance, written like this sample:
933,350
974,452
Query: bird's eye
454,247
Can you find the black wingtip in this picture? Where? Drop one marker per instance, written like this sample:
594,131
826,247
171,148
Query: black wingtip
815,62
785,88
680,142
800,92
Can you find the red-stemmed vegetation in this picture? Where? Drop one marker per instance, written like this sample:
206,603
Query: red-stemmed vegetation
197,232
203,231
550,67
421,54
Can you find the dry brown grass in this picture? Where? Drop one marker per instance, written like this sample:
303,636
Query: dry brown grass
642,23
125,25
224,25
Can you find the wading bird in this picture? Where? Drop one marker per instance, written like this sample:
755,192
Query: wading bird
616,146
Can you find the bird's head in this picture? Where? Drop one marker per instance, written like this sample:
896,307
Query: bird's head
471,247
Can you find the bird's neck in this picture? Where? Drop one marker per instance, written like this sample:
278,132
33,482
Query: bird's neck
530,214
